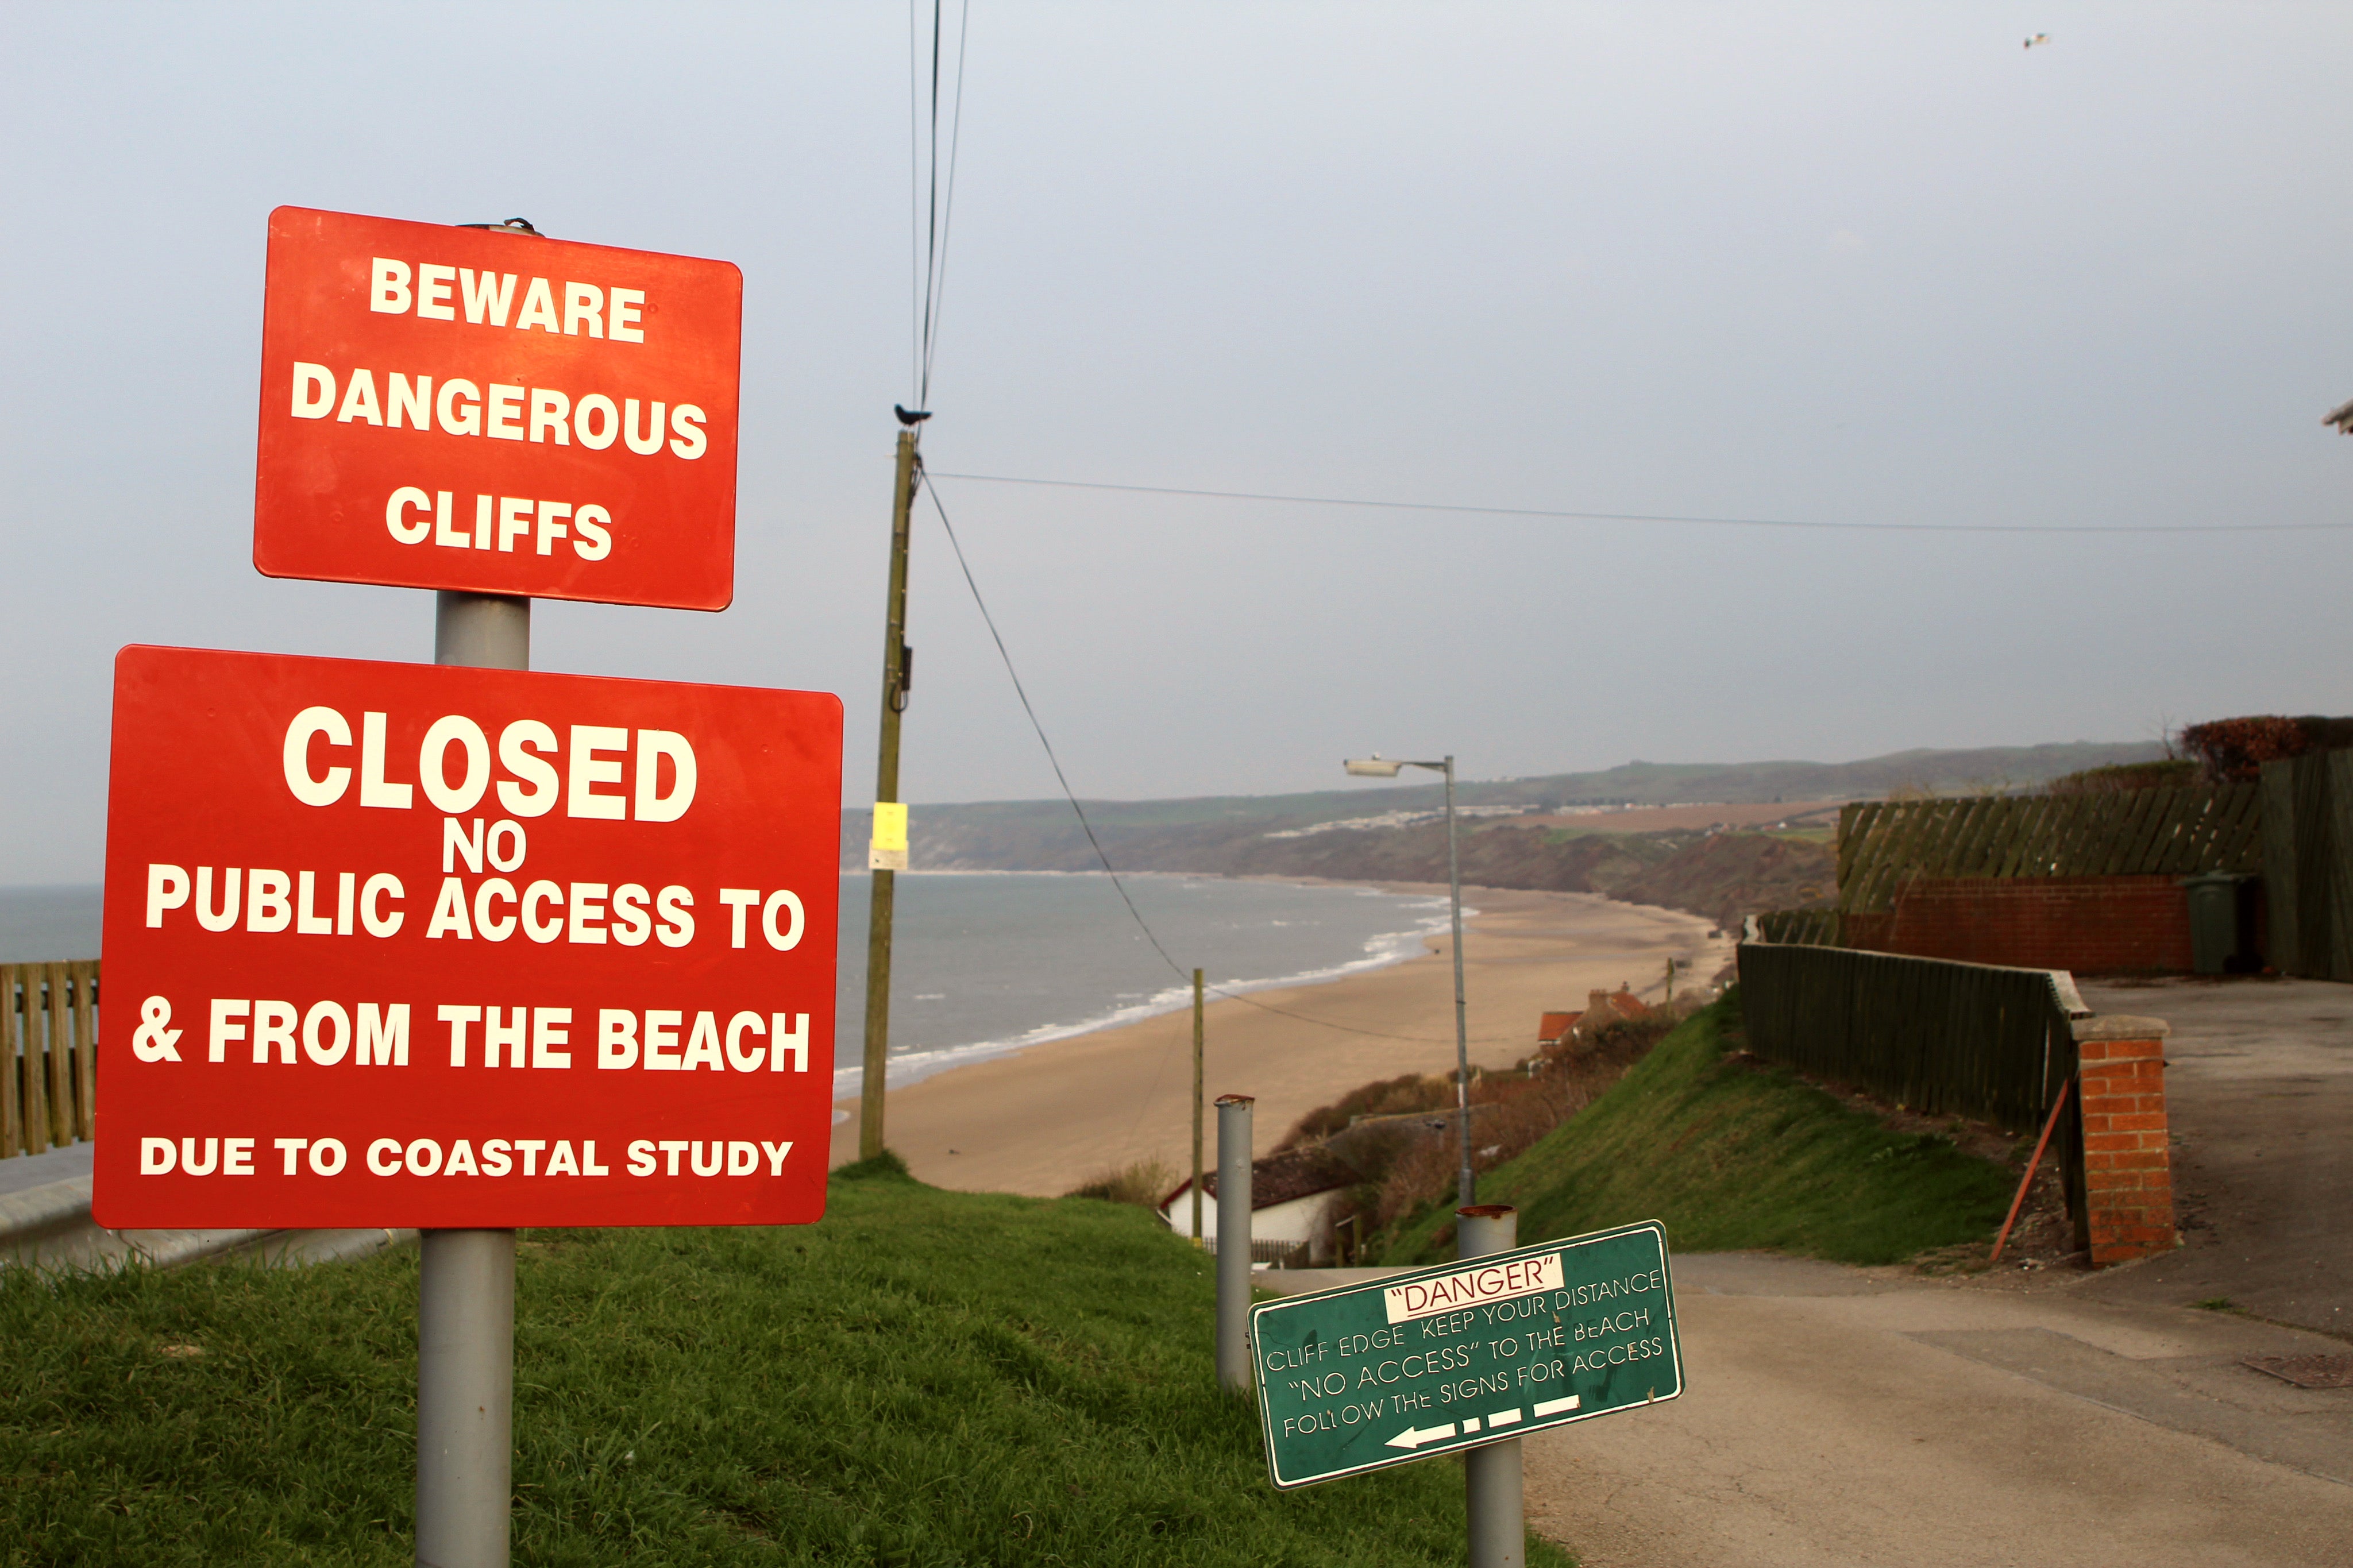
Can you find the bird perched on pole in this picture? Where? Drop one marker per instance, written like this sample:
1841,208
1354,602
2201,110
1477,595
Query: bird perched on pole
910,418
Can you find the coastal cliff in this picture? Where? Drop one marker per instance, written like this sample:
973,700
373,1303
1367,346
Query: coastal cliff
1585,833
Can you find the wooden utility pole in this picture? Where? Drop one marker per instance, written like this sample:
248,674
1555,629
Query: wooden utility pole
1196,1108
895,660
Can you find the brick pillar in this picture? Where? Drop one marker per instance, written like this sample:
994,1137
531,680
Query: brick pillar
2128,1168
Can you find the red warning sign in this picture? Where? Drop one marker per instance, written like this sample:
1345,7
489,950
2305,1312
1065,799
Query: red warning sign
397,944
492,411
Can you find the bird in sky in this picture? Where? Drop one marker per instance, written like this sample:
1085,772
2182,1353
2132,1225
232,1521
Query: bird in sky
909,416
2038,38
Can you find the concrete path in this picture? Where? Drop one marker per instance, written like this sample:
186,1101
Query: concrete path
2259,1085
1838,1415
2048,1418
44,1223
1841,1415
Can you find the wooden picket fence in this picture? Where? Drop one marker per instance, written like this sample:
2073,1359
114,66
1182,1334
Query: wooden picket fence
1883,844
49,1038
1937,1038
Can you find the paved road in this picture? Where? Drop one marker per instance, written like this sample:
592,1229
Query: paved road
1844,1416
1841,1415
2259,1084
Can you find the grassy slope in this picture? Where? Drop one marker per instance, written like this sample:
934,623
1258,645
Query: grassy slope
1731,1155
925,1378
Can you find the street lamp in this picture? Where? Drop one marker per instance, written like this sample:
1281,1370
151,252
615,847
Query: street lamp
1380,767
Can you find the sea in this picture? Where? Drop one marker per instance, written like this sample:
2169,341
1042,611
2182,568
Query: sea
985,963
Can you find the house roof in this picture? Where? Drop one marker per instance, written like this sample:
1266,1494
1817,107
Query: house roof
1602,1008
1282,1178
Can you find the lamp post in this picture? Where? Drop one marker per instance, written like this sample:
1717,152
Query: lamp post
1380,767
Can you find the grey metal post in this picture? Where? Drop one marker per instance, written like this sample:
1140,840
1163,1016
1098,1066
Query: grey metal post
1377,766
1467,1180
1492,1474
465,1302
1196,1108
488,631
1233,1239
464,1398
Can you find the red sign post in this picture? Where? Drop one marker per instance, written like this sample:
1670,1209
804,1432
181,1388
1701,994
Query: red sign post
498,412
393,944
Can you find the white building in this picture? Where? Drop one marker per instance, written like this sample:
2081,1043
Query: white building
1291,1197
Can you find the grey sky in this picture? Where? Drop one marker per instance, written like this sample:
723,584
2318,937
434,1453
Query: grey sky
1860,264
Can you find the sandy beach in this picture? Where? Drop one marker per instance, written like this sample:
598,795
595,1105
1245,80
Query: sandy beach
1045,1120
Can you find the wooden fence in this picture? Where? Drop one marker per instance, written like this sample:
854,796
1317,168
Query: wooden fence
1801,928
2164,832
1937,1038
48,1033
2308,865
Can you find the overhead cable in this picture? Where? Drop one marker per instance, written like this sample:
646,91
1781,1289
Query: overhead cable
1096,844
914,211
1557,515
936,221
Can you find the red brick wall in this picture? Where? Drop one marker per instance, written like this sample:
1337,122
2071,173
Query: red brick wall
2128,1167
2089,925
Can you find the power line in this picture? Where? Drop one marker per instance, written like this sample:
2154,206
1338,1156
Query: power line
1021,692
947,217
936,224
914,213
1096,844
931,207
1543,512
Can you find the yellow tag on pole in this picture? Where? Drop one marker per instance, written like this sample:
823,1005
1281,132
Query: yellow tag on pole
888,850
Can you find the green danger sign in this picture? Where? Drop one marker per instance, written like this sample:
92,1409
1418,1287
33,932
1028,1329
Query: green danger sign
1465,1353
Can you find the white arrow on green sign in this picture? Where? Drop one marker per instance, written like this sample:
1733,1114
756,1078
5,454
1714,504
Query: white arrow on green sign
1465,1353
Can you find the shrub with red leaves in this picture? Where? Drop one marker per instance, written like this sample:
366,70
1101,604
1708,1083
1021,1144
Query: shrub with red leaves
2234,749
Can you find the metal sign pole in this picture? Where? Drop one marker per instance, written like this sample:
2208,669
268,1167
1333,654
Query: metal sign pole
1196,1108
465,1300
1492,1474
1233,1239
1467,1182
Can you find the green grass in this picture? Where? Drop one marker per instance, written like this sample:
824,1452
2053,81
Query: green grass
1731,1155
925,1378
